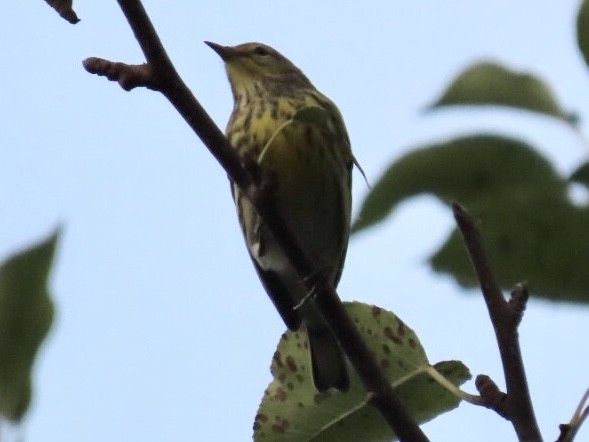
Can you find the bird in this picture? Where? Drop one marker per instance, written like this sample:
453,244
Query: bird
311,168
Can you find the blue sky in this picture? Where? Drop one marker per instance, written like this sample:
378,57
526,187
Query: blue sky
163,331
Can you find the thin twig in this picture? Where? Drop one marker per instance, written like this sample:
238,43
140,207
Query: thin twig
569,431
516,405
165,79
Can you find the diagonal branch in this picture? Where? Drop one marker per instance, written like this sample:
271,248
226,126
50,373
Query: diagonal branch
161,75
516,405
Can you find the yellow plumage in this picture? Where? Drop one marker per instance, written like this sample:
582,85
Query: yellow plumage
311,167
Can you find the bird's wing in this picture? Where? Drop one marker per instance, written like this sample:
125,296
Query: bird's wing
271,281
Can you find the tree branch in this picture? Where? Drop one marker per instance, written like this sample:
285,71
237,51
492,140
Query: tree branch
516,405
161,75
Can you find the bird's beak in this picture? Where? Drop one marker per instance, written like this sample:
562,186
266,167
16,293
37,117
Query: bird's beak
225,52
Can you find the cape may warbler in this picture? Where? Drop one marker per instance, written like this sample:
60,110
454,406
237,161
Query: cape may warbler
311,165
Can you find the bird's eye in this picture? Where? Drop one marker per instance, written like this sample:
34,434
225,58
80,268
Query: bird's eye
260,50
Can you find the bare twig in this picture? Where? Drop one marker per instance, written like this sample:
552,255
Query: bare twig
64,9
161,75
569,431
128,76
516,405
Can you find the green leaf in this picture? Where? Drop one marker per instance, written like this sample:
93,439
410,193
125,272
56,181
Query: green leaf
544,241
292,410
464,169
26,315
311,115
532,230
488,83
581,175
583,30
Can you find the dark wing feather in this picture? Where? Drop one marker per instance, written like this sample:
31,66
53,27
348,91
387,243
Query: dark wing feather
277,292
279,296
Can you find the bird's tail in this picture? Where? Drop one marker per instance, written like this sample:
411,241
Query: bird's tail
327,360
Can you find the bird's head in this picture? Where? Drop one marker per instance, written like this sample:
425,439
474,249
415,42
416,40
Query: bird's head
255,66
